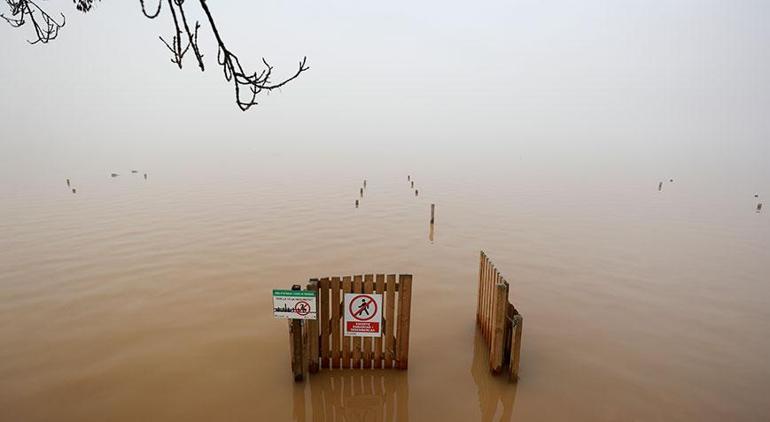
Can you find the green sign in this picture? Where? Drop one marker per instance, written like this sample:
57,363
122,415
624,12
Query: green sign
294,304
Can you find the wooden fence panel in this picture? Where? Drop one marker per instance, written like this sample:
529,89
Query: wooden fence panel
499,322
321,343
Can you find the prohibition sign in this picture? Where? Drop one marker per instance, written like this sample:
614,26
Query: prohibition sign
302,308
366,305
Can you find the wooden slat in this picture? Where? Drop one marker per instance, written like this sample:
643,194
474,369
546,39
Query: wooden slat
367,353
323,315
347,287
478,296
492,302
379,287
498,332
335,321
487,299
312,327
357,288
404,319
518,322
390,320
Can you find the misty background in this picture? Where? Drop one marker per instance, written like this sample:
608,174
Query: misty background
660,89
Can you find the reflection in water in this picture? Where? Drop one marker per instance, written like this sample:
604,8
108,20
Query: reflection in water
491,389
430,233
353,396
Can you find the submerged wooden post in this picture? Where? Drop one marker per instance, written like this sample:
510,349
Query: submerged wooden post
498,327
68,182
759,207
660,186
295,330
432,213
518,321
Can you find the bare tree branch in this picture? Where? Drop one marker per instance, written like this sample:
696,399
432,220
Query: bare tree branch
23,11
184,39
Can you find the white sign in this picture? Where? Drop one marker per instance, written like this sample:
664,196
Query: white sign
294,304
363,315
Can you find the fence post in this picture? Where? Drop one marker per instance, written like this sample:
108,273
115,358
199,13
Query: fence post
518,321
295,330
498,327
404,317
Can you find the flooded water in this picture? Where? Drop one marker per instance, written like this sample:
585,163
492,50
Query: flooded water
542,132
150,299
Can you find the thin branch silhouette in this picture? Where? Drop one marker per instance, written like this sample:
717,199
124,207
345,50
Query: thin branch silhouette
27,11
184,38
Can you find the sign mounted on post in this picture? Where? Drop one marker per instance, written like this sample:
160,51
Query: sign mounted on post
363,315
294,304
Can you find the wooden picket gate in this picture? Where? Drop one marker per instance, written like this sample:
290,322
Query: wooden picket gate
499,321
318,344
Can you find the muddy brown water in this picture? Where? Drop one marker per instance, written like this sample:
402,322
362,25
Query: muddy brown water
150,300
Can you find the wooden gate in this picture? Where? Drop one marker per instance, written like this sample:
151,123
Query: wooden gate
318,344
499,321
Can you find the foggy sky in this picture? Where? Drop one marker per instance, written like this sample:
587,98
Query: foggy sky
670,86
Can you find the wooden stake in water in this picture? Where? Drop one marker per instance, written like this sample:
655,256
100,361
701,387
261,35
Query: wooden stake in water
68,182
408,178
759,207
356,203
76,191
660,186
362,192
295,328
432,213
413,184
416,192
145,176
364,182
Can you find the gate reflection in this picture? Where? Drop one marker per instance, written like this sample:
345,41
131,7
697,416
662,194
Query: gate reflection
494,392
353,395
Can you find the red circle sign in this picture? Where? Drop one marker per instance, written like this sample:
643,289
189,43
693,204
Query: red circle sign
302,308
363,309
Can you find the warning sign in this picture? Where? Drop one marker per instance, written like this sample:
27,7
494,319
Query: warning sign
363,315
294,304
